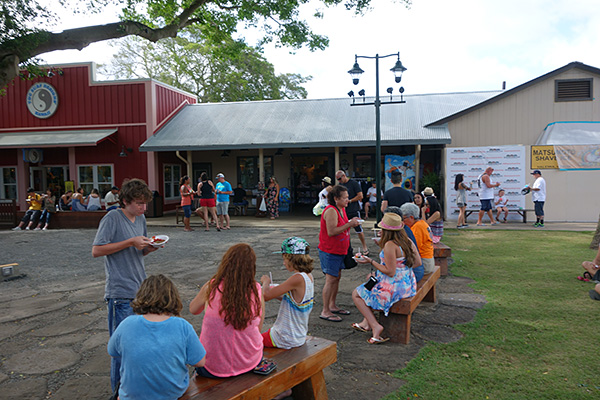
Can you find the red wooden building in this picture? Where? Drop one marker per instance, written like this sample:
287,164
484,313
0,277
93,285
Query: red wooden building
69,127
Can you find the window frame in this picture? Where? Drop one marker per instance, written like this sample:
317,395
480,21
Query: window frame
268,174
3,184
174,182
95,183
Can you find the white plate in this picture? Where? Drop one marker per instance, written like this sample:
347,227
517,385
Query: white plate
358,258
361,221
163,238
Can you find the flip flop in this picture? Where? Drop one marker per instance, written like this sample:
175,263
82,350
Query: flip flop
366,252
359,328
333,318
341,312
375,340
581,278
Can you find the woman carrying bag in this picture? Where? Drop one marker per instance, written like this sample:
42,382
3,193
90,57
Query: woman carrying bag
334,242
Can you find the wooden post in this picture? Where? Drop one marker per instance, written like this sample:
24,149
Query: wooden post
417,166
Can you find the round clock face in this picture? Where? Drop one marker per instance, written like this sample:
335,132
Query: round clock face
42,100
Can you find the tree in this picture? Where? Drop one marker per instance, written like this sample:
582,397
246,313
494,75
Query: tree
215,69
154,20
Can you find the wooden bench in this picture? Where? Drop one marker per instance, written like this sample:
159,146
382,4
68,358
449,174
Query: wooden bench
397,323
73,219
8,213
441,253
521,211
299,369
178,215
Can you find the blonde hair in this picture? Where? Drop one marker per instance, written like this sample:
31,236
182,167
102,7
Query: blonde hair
300,262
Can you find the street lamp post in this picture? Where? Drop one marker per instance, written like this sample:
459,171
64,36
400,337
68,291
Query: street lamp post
355,72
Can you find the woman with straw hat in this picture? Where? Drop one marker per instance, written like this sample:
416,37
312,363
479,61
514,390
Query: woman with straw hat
392,280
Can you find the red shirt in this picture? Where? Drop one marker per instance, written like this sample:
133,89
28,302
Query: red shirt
337,244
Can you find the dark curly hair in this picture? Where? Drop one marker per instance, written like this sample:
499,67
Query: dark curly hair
335,193
157,295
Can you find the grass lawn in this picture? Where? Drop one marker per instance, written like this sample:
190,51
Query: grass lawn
536,336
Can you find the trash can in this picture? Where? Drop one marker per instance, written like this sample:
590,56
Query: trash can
155,207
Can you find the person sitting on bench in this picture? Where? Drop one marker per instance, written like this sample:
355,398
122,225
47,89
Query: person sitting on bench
34,201
233,308
392,280
156,344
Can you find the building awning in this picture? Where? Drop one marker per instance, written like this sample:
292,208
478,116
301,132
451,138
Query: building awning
570,133
41,139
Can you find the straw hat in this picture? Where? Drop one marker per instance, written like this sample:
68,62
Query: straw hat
428,191
391,222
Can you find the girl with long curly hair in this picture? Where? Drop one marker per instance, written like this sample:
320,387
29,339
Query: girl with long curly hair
233,317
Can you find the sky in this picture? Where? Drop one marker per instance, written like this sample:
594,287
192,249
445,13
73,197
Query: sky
446,46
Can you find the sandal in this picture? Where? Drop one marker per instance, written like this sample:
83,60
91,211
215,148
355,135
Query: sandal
581,278
366,252
359,328
375,340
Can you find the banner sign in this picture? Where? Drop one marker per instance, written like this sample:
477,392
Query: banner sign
404,164
509,169
543,157
578,157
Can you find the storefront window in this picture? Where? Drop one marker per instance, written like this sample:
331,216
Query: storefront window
363,166
248,171
171,176
8,183
96,176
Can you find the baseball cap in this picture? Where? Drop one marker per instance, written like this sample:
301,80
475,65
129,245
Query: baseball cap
294,245
536,171
220,175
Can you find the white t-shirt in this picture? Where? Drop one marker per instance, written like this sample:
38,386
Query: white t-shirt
539,195
109,198
372,194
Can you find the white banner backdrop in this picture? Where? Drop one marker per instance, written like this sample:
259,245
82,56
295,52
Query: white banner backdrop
509,169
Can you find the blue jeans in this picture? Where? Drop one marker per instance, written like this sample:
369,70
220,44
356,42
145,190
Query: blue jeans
45,217
118,310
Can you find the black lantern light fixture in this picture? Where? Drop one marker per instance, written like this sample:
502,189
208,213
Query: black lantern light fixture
123,153
355,72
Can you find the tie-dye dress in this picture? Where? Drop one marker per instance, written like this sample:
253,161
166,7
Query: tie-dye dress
389,290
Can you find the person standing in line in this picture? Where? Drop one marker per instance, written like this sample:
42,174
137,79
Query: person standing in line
223,191
122,240
461,199
206,189
187,195
397,195
486,195
538,195
111,200
355,195
272,198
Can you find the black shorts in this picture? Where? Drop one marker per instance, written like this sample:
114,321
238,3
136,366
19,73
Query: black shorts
486,205
539,208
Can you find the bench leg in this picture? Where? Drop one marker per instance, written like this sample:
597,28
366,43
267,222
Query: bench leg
313,388
396,327
443,263
431,296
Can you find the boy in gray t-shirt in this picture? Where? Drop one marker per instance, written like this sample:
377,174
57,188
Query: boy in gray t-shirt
122,238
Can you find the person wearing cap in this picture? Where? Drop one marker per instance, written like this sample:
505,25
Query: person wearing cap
111,200
538,195
486,195
433,215
355,196
397,195
411,217
223,190
296,295
394,277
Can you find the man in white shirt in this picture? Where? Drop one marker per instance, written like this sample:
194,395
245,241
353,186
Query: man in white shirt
111,200
538,195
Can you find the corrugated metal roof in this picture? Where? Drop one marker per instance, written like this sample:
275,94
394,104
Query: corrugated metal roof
38,139
310,123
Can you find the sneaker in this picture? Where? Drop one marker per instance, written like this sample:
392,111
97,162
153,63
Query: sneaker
465,225
45,228
16,228
540,225
38,229
27,229
536,224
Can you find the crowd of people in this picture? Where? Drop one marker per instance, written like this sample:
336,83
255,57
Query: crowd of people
41,207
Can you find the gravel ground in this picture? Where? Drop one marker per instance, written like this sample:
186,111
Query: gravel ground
53,321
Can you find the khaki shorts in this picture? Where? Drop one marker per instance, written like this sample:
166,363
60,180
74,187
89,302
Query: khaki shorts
428,265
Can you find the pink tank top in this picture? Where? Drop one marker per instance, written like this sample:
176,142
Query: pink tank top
229,352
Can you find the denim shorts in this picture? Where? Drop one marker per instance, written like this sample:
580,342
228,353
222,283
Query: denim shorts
486,205
222,207
187,211
331,264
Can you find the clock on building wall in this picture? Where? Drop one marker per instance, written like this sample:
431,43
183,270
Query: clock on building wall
344,164
42,100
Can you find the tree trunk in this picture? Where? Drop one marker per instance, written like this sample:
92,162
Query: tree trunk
596,239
